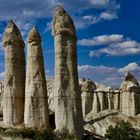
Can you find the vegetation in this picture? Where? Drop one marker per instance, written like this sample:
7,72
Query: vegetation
65,136
122,131
34,134
28,133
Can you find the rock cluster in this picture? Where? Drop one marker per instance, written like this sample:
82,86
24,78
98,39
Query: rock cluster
34,113
69,98
28,103
99,98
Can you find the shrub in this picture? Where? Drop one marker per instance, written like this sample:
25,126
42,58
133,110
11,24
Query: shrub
28,133
122,131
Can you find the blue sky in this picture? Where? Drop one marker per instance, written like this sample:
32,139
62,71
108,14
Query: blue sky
107,30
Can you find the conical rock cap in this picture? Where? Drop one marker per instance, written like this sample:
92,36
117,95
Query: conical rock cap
130,82
34,36
62,22
12,35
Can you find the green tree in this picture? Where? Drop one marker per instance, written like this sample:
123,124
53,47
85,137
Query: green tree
122,131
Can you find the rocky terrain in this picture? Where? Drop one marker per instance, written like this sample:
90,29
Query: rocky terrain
99,109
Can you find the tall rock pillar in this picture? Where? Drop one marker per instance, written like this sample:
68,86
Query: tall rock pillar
14,89
36,101
68,109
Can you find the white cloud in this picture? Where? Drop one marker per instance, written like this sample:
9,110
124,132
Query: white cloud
88,17
128,47
48,26
113,45
99,2
130,67
48,74
110,76
2,74
24,26
101,40
108,15
30,11
88,69
113,81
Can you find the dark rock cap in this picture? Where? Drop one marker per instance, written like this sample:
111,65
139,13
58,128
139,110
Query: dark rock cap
62,23
130,77
12,35
34,36
130,84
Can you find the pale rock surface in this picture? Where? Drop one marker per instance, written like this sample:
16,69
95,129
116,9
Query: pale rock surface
1,92
36,101
105,98
87,89
50,90
14,89
101,98
130,95
116,100
99,123
110,97
96,104
68,107
1,96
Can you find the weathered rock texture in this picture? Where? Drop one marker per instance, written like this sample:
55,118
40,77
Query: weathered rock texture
1,97
50,91
1,92
99,123
116,100
36,101
87,89
68,110
130,96
14,90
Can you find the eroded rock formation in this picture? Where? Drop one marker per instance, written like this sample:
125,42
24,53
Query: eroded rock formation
14,89
36,101
130,96
87,89
68,109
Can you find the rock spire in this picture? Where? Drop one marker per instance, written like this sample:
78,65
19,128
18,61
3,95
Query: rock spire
36,101
68,109
14,90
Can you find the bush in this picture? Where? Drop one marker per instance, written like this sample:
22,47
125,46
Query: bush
28,133
122,131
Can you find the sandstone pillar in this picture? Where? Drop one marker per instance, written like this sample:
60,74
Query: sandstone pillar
68,109
36,103
87,100
96,104
87,96
14,89
117,100
129,95
110,100
102,99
